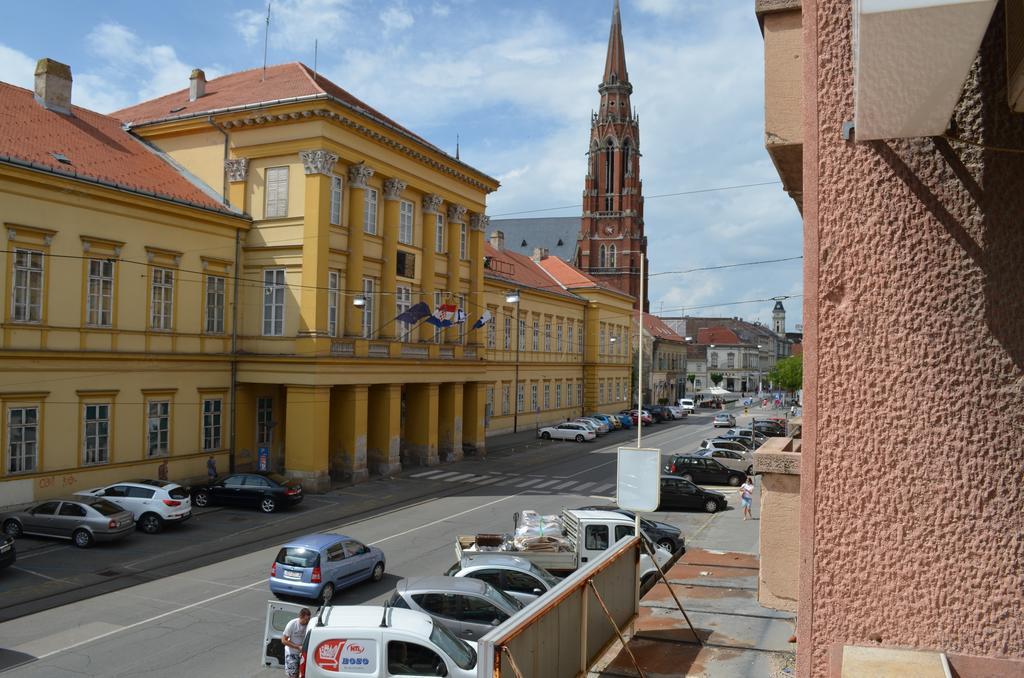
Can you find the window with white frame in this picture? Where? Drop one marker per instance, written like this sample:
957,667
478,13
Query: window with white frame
212,409
568,337
370,211
403,302
215,290
96,433
533,397
522,335
462,241
405,222
730,360
558,338
600,393
558,395
336,191
264,421
460,304
22,439
489,404
492,332
162,300
333,300
99,301
520,398
277,192
547,337
714,360
27,284
439,233
438,332
618,389
600,343
568,394
579,341
508,333
273,302
368,317
579,394
536,335
158,427
547,396
506,398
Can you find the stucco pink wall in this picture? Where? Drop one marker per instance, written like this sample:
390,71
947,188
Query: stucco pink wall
911,484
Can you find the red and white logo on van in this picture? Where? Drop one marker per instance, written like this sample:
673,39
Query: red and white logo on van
327,653
355,649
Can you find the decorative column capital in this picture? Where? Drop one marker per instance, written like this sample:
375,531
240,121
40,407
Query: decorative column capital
432,203
359,174
318,161
237,169
393,188
456,214
479,222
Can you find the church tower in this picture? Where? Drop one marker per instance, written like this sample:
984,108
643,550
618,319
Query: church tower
779,319
611,242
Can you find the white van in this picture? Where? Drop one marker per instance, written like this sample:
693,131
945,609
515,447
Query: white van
356,641
687,405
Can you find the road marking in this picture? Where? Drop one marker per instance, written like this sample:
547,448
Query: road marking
545,484
40,574
445,475
489,481
459,478
583,486
564,485
604,488
532,481
428,474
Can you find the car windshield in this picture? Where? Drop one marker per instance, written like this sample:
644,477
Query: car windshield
105,507
298,556
502,598
543,575
275,477
178,492
460,651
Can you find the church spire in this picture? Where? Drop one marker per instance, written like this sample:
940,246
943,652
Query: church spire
615,73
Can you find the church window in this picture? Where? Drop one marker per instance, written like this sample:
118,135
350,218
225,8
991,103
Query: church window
609,172
611,257
626,157
601,257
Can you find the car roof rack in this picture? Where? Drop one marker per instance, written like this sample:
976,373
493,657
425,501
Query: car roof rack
384,617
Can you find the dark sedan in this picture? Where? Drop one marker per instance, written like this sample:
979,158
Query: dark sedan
703,470
668,537
679,493
660,413
267,491
8,554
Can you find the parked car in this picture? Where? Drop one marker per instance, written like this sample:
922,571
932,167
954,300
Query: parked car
679,493
470,608
626,419
720,444
770,429
641,415
659,413
153,503
723,419
317,565
569,431
588,424
604,419
737,461
83,520
677,412
668,537
8,553
263,489
614,418
742,435
516,576
599,426
701,470
687,404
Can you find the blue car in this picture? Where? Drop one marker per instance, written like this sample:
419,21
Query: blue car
606,420
317,565
627,421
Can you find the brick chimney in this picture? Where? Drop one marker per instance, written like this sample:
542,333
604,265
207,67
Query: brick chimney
53,86
498,240
196,84
540,253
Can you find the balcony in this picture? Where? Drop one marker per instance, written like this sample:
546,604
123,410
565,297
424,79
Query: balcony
778,464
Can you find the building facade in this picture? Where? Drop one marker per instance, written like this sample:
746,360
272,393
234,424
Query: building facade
665,362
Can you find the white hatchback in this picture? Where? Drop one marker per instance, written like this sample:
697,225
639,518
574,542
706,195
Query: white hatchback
567,431
153,503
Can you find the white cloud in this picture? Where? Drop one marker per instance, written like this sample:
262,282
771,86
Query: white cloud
396,19
437,9
295,24
17,68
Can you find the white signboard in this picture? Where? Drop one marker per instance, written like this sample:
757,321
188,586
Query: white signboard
638,479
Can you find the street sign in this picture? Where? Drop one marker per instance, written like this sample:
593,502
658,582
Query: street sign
263,459
638,479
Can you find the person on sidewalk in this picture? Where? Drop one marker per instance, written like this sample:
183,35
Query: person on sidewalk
747,497
211,468
294,634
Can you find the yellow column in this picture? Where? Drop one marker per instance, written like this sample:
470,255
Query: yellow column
477,300
348,430
237,170
474,401
358,175
316,223
421,410
456,221
307,436
449,433
386,301
431,208
384,438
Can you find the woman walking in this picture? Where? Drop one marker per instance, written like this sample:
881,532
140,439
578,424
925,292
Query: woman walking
746,497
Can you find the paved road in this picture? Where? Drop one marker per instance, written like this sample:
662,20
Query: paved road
208,619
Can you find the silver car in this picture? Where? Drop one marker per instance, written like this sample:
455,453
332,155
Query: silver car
469,608
83,520
516,576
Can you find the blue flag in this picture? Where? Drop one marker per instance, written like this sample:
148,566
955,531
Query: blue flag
414,314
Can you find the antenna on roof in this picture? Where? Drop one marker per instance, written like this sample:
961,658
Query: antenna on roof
456,146
266,39
316,49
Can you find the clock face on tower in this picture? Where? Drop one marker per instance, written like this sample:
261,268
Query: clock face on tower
609,229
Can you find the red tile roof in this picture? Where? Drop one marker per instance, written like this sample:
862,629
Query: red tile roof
659,330
717,335
572,277
520,269
250,89
97,150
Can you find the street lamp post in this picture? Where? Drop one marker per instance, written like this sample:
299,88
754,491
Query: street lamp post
513,298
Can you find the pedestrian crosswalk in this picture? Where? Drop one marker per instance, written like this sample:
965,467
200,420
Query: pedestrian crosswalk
528,482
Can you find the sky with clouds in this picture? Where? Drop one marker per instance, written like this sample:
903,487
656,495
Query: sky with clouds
517,82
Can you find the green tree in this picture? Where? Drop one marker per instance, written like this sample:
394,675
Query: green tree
788,373
716,378
691,378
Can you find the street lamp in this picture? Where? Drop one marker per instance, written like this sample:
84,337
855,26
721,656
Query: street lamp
512,297
359,301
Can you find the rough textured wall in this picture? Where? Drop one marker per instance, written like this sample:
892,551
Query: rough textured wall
914,431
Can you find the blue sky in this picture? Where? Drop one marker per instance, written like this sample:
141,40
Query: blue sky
516,80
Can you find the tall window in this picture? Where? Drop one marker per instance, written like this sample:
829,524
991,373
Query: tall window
438,332
547,396
558,338
439,233
508,333
714,360
600,397
333,299
215,286
601,341
547,337
579,394
403,302
277,192
506,398
264,421
370,211
558,395
99,303
489,404
533,397
522,335
568,395
460,303
462,241
336,187
569,338
627,169
611,256
273,302
536,335
158,427
609,175
405,221
492,332
27,283
96,433
162,302
22,439
368,325
211,423
602,257
730,360
520,397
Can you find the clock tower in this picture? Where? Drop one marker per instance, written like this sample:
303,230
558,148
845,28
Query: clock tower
611,242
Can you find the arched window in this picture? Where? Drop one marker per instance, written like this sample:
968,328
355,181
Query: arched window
609,167
627,157
601,257
611,257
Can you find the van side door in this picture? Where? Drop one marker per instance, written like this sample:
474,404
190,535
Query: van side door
596,539
278,616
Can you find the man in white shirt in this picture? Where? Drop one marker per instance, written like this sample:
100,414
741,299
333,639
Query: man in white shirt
294,634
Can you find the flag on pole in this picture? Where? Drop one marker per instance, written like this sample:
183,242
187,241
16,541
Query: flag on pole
443,316
460,317
415,313
484,319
